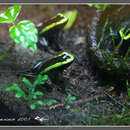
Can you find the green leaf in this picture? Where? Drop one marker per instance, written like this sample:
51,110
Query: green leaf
42,82
100,7
111,89
44,77
92,49
39,93
50,102
41,103
71,15
41,79
38,80
9,15
25,34
73,98
128,92
67,106
70,98
32,106
18,89
13,87
127,84
26,81
18,95
34,96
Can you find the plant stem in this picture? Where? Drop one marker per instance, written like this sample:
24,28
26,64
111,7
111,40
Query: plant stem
118,46
102,36
124,59
8,51
32,88
127,54
113,40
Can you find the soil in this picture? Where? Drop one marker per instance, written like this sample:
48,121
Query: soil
81,81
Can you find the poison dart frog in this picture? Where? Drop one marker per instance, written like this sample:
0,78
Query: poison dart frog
53,68
49,32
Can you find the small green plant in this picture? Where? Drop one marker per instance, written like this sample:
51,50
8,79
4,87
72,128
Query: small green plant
100,7
128,89
114,57
31,96
68,100
116,118
122,59
111,89
24,33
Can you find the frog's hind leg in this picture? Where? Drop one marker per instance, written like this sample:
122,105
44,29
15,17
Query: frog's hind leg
62,85
65,87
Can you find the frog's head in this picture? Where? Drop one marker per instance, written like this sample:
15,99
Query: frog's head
56,64
66,58
61,62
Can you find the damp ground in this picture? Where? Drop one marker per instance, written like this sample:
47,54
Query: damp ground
91,103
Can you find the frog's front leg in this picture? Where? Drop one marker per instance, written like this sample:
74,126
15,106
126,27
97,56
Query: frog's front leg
61,83
49,44
44,45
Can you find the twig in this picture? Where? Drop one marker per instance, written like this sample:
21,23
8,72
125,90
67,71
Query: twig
117,102
76,102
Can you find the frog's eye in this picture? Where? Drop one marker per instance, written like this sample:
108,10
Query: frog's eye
65,57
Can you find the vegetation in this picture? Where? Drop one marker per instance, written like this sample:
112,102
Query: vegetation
20,32
128,89
100,7
23,33
31,97
115,60
68,100
122,118
114,57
